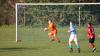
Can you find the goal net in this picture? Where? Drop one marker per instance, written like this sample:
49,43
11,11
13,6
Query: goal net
37,15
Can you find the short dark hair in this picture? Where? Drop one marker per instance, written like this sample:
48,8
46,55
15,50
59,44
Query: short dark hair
72,21
90,23
50,20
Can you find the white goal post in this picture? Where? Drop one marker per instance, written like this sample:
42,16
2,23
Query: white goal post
17,38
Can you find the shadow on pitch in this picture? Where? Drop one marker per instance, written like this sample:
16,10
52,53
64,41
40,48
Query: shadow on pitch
20,49
98,51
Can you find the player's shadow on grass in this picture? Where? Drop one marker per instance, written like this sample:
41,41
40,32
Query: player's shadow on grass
98,51
19,49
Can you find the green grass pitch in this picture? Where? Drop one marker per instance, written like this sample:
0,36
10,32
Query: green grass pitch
35,42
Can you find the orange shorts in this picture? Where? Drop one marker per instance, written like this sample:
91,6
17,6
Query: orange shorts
53,32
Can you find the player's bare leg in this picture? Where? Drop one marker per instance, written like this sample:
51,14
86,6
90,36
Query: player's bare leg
70,46
56,38
93,47
77,45
50,37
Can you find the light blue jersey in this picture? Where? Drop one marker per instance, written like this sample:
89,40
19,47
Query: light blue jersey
73,37
72,28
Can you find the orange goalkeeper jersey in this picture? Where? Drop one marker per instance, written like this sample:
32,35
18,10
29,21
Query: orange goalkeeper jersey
52,27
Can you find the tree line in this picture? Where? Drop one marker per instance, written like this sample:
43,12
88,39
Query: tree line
61,14
7,14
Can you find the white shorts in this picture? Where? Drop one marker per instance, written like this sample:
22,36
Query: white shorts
73,37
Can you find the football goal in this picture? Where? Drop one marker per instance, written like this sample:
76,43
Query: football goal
37,14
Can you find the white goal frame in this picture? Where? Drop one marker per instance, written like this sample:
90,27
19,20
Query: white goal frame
17,39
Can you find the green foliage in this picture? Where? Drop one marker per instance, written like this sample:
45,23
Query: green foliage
7,8
39,14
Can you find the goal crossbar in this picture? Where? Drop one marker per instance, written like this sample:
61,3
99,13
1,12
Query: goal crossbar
57,3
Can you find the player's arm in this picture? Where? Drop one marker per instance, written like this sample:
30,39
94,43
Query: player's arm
93,31
70,30
46,28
